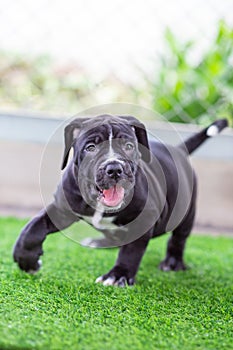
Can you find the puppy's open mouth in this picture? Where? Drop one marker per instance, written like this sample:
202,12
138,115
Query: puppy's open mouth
113,196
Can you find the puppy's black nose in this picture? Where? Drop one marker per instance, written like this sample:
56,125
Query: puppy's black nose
114,170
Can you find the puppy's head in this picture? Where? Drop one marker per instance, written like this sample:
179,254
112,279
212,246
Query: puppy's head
107,151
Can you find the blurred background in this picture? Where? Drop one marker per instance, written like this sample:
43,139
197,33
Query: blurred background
58,58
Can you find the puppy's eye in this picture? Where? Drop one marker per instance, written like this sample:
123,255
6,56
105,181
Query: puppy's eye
129,146
90,148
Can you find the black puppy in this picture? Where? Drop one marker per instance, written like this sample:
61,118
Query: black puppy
128,188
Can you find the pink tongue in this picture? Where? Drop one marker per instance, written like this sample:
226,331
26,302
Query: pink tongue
113,196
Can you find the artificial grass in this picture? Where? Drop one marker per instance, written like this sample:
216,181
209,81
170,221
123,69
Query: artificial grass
62,308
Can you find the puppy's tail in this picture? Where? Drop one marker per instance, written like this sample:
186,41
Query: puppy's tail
196,140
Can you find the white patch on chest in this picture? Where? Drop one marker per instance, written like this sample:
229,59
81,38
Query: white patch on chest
100,222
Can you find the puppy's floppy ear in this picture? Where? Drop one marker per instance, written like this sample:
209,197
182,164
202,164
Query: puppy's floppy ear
141,134
72,131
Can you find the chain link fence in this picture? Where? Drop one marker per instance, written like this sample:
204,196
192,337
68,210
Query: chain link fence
60,57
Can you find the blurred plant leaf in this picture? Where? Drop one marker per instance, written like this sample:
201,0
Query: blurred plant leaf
199,92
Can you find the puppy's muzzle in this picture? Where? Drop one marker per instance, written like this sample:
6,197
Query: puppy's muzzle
113,180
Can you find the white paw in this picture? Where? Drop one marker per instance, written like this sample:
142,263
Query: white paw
113,281
33,272
89,242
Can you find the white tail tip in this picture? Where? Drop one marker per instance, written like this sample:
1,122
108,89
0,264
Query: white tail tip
212,131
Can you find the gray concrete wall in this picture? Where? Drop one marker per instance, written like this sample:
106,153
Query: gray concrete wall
215,194
21,166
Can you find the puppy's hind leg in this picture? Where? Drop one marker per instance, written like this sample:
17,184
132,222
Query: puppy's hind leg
176,244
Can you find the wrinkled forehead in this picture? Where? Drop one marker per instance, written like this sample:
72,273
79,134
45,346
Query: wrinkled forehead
106,131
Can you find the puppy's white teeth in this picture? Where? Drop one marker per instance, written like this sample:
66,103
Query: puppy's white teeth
99,279
109,281
100,194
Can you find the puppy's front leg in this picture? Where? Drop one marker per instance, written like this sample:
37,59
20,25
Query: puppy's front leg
127,263
28,247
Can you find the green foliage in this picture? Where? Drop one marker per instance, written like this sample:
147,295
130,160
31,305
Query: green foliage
182,88
199,92
62,308
41,84
37,83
